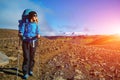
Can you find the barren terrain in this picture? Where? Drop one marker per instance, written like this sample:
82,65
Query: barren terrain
64,58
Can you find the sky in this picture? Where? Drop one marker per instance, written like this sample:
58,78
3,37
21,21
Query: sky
59,17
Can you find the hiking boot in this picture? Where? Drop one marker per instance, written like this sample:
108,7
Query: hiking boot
31,73
25,76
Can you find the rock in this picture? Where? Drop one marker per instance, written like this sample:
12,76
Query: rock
13,58
59,78
79,75
4,60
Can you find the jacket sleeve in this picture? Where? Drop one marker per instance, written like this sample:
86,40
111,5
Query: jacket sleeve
38,30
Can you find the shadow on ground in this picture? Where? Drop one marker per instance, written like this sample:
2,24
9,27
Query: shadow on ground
11,71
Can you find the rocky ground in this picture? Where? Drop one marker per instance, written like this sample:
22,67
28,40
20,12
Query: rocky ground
64,58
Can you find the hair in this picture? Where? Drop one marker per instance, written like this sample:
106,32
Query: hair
31,15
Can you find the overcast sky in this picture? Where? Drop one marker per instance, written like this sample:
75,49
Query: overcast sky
59,16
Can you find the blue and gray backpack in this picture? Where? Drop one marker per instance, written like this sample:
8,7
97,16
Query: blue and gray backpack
24,18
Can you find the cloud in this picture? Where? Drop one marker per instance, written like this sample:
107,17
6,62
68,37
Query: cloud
11,11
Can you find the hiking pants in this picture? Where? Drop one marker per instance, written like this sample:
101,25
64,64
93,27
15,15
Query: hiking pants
28,56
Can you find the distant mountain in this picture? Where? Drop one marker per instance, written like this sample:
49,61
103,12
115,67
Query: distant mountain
72,33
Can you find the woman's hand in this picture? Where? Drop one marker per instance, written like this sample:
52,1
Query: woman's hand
20,35
38,36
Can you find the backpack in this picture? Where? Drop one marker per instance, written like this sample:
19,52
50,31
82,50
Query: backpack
25,21
24,18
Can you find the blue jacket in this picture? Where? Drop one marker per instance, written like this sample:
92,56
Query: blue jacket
29,30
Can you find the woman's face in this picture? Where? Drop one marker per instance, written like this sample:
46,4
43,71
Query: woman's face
35,18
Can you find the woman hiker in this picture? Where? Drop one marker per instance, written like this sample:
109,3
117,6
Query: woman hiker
29,32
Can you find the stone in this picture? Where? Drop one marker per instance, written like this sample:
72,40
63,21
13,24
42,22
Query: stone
13,58
4,60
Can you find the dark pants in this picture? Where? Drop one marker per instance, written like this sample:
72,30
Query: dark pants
28,55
